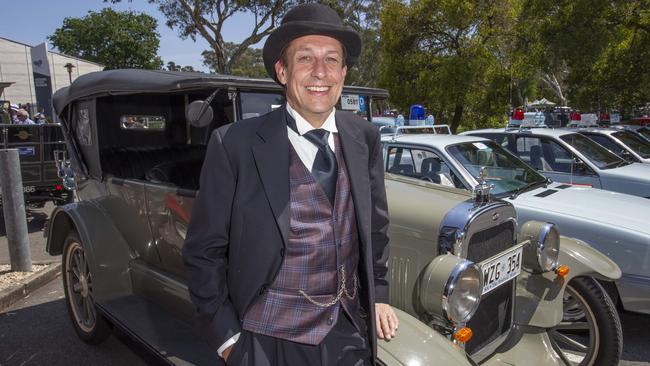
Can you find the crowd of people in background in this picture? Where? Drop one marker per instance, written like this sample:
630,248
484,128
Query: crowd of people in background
20,114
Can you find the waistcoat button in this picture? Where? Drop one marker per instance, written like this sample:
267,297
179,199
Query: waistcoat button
330,320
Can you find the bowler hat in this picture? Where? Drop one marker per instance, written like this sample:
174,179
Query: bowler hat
310,19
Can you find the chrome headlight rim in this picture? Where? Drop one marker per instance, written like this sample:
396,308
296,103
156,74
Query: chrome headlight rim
548,243
451,313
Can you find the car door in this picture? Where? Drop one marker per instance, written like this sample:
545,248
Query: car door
555,161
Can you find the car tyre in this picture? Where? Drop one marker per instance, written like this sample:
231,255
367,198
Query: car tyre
89,324
590,332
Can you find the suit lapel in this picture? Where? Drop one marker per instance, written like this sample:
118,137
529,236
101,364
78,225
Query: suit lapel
355,152
272,161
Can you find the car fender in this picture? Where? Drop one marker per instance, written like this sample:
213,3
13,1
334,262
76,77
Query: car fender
107,252
415,343
539,296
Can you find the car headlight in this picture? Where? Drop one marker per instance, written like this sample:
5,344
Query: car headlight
541,254
451,288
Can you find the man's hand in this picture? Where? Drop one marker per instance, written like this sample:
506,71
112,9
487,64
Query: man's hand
387,322
226,353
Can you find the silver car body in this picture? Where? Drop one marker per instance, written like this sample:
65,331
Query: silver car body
613,223
627,178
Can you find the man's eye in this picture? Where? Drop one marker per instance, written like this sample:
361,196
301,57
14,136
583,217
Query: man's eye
304,58
333,60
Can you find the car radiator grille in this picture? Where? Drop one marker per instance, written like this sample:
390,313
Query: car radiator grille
494,315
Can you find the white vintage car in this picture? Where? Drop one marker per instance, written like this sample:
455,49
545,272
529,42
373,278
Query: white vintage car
613,223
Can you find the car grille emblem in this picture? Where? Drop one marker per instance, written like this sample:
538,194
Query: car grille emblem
495,216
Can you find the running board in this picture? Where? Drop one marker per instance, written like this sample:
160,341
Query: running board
177,342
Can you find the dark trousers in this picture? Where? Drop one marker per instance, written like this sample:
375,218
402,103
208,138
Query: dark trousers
344,345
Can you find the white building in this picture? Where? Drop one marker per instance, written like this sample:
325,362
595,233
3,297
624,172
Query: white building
16,67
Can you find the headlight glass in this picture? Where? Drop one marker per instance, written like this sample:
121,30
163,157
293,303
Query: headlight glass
548,247
463,292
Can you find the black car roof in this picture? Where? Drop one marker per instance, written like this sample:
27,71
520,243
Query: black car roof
132,81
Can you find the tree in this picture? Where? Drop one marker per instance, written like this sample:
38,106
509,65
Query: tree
600,50
249,63
115,39
172,66
207,18
449,56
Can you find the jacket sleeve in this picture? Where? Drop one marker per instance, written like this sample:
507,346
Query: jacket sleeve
205,251
379,218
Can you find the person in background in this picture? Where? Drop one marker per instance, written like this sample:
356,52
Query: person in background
23,117
40,117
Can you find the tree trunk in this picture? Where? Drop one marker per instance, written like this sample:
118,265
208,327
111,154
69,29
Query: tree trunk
455,122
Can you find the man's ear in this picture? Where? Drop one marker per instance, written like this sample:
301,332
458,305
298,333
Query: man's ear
281,72
345,71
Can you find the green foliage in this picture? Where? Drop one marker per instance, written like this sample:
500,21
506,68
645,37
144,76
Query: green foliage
445,55
115,39
249,63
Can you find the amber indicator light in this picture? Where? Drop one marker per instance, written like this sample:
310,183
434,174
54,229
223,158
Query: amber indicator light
463,335
562,270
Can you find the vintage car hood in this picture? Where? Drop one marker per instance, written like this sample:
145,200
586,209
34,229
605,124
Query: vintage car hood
597,205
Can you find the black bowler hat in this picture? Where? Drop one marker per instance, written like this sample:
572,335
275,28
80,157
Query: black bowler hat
310,19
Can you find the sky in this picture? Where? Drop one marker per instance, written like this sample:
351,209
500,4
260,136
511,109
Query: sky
31,21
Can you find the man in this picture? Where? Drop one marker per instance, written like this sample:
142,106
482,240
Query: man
287,248
23,117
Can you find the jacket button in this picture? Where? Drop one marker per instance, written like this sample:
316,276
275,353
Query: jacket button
282,252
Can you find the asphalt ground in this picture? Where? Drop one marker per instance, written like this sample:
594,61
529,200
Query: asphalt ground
37,330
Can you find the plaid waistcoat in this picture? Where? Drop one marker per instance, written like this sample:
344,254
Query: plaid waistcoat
321,240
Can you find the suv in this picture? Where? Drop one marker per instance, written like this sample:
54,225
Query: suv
569,157
37,146
137,142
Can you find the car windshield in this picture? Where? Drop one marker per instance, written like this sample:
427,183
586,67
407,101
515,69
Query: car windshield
598,155
645,132
634,142
507,172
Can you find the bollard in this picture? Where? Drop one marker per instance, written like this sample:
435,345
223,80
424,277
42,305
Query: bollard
13,205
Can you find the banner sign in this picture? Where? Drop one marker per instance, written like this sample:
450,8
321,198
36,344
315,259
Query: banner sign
42,78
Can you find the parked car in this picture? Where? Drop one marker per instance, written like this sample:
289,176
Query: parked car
36,146
613,223
641,131
626,144
569,157
456,264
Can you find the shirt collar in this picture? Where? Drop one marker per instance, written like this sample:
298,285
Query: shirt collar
303,126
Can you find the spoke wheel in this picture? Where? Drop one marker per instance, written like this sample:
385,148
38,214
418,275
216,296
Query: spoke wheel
78,288
590,332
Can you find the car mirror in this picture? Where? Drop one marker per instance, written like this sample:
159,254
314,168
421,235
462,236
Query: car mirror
579,166
199,113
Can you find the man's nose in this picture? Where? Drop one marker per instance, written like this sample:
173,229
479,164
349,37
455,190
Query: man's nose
320,68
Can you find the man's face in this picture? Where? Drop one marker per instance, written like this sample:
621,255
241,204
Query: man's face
313,76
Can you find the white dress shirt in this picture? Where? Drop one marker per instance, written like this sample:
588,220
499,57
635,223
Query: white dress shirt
304,148
307,153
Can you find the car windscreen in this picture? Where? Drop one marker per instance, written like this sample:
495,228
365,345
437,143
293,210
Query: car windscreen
635,143
597,155
507,172
644,131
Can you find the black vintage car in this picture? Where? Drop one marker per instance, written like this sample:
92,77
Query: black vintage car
137,140
36,146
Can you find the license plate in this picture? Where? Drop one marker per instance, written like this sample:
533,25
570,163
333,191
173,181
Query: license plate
501,269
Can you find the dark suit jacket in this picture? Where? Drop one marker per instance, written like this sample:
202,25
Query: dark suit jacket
240,219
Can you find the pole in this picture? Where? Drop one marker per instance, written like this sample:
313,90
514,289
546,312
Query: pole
13,205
